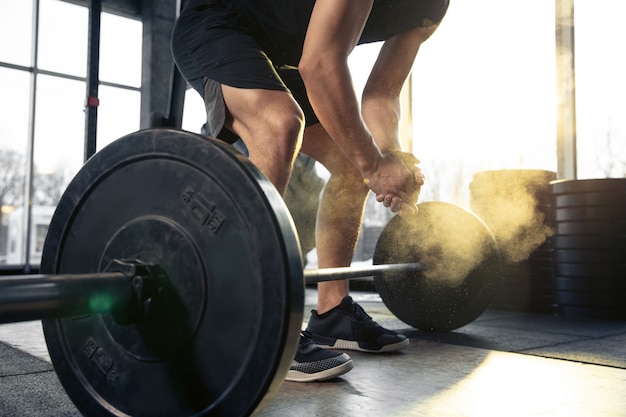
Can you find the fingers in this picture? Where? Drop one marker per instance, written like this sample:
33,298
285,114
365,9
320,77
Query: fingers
397,204
404,203
419,176
403,190
411,162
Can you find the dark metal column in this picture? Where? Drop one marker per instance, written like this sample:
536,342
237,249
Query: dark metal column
93,66
162,88
30,150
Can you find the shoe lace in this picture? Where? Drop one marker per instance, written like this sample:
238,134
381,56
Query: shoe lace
306,343
358,313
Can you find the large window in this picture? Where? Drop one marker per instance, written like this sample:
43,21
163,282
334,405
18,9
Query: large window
43,64
484,94
601,88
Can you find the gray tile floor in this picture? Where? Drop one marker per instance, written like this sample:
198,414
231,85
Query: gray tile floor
503,364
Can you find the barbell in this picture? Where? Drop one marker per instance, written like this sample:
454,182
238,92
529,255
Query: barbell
172,282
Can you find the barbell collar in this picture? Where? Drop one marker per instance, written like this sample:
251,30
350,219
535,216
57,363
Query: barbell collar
312,276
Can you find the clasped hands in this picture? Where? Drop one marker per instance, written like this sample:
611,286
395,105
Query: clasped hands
397,181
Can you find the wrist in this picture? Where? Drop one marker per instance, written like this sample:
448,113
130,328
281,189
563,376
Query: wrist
369,166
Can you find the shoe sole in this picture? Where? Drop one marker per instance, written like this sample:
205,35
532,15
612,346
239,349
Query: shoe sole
297,376
341,344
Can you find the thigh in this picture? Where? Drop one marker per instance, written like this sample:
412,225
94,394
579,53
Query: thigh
259,113
213,49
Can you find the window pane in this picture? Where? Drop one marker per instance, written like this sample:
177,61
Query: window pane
59,133
194,114
15,86
600,88
63,37
58,152
16,25
118,114
40,220
120,50
484,85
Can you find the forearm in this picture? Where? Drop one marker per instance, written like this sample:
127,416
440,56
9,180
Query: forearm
381,97
333,98
382,115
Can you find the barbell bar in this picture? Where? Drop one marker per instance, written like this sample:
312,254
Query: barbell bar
40,296
37,297
210,323
313,276
122,289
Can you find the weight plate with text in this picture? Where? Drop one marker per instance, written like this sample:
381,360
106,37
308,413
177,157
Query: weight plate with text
220,335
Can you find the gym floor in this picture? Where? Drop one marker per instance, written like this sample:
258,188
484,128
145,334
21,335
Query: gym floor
504,363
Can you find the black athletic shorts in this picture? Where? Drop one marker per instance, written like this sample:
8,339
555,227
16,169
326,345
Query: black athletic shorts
214,50
213,44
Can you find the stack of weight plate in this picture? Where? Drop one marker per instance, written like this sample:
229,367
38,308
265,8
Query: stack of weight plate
590,247
519,200
541,260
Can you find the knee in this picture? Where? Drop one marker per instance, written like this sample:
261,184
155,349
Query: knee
290,128
282,134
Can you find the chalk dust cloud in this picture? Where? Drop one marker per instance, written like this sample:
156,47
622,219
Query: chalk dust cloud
449,240
509,202
506,220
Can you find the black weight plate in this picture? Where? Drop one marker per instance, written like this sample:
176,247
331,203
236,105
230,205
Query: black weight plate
589,213
520,270
544,202
224,328
589,256
542,275
599,271
541,262
462,267
591,199
590,284
590,227
591,185
600,241
618,313
543,252
591,299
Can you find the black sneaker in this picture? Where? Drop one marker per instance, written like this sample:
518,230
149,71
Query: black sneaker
313,363
347,326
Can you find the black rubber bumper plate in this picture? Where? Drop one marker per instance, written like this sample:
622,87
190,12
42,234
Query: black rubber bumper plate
222,332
